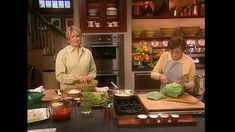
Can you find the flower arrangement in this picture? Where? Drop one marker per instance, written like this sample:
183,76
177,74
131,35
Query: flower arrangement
142,53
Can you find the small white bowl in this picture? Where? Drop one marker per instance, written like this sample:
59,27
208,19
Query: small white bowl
77,99
74,91
174,115
153,116
164,116
142,116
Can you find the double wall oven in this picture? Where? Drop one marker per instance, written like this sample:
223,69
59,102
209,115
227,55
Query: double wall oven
108,53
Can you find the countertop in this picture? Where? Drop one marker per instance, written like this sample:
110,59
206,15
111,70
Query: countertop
96,123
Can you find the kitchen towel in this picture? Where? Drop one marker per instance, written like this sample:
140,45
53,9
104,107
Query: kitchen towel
43,130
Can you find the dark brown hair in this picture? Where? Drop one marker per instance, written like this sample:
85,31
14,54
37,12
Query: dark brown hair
177,41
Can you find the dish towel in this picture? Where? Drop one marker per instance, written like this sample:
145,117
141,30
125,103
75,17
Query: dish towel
43,130
38,89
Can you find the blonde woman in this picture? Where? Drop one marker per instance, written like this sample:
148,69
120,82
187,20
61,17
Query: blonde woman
74,63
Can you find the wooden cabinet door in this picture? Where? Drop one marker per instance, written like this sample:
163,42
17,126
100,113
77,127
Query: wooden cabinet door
100,19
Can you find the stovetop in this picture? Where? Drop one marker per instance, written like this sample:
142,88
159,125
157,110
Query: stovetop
128,106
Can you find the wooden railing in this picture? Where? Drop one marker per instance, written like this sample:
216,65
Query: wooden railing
44,34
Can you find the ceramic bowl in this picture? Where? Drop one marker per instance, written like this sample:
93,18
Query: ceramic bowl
142,118
111,11
174,117
92,12
153,118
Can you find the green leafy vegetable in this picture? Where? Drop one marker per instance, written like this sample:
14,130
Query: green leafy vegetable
172,90
96,98
155,95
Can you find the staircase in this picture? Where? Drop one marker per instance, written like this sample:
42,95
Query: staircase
45,40
43,34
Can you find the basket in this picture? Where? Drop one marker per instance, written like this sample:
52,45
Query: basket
190,31
136,33
88,87
149,33
168,31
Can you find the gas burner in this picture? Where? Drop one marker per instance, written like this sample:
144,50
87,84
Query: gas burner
128,106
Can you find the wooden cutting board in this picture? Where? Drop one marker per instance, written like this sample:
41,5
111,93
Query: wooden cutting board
50,94
186,102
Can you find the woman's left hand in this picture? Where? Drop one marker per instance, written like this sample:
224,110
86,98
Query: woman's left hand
180,83
84,79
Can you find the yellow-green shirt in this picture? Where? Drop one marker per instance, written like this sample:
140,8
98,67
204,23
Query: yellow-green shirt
71,63
189,70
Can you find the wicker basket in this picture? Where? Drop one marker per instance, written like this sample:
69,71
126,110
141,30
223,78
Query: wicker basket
168,31
190,31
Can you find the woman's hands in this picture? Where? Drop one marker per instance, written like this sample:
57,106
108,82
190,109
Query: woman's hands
164,80
84,79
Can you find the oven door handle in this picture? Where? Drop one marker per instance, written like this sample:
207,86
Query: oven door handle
94,46
142,74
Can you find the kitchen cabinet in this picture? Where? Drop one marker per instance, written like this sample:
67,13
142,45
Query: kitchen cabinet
164,9
102,15
147,50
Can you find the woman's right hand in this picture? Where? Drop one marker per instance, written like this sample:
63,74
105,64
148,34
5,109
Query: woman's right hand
84,79
163,79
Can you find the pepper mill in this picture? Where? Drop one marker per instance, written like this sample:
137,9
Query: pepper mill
107,113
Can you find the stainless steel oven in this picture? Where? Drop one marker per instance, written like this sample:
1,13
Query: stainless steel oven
107,50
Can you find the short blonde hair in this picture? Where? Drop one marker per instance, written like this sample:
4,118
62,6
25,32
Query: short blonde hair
71,29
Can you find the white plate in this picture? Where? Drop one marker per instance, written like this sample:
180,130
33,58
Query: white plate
165,43
39,114
201,42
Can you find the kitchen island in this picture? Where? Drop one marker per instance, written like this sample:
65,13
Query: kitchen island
96,122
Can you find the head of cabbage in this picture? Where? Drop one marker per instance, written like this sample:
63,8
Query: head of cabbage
172,90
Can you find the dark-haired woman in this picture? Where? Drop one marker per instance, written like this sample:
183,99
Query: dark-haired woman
175,66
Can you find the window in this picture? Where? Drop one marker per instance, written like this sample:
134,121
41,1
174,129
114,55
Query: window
55,4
